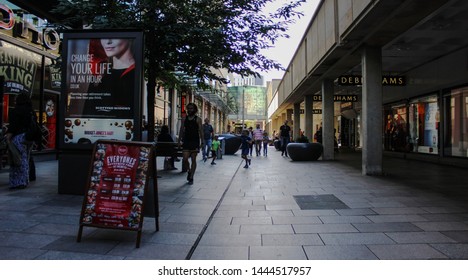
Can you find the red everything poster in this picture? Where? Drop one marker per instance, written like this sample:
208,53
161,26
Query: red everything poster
115,196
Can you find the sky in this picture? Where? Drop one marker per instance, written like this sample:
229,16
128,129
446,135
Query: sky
284,48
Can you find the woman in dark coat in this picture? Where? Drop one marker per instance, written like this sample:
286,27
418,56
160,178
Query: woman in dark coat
19,120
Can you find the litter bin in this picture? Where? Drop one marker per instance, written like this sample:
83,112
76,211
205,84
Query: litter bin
220,153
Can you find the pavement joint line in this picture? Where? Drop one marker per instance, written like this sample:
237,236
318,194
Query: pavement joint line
208,222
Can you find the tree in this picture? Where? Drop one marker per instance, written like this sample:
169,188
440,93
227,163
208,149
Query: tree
190,36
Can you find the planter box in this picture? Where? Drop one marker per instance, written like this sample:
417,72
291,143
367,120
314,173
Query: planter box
304,151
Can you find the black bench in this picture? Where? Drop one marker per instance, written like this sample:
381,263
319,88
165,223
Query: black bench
168,149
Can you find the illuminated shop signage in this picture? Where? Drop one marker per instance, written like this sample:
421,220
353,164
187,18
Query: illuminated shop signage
22,28
339,98
355,80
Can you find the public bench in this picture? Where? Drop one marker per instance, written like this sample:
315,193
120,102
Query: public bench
168,150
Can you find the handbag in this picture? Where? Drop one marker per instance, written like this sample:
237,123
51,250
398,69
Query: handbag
33,131
14,156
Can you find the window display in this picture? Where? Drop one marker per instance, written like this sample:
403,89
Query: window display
456,122
395,131
424,125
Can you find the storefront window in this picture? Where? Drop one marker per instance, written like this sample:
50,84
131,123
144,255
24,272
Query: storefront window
395,129
456,123
424,123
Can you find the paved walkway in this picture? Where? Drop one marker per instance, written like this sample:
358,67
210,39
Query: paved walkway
416,211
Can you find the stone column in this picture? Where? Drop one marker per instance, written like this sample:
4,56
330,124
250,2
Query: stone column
371,118
328,113
296,120
309,117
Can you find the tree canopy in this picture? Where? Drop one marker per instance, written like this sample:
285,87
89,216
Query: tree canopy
192,36
186,39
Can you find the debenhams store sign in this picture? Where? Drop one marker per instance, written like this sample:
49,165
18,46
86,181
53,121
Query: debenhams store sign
25,30
354,80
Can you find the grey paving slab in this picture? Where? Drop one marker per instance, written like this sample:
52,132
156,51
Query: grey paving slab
387,227
458,236
344,219
26,240
406,252
150,251
171,238
355,238
14,253
355,252
420,237
265,213
45,224
221,253
277,253
396,218
399,210
296,220
441,226
230,240
252,221
324,228
261,229
290,239
355,212
453,251
60,255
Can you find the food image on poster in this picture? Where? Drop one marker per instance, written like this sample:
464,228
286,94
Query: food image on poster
117,186
79,130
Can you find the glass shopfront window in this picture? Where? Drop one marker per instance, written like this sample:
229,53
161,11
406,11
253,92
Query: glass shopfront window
22,71
456,122
424,122
395,130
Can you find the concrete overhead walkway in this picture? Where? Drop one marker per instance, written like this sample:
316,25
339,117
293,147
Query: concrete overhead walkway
416,211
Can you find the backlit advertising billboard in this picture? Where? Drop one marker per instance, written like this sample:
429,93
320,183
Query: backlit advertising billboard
102,86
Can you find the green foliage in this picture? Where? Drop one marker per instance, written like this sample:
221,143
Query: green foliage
191,36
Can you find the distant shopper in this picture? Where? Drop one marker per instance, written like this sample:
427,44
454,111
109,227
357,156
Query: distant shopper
285,137
208,135
245,147
19,119
250,134
258,138
215,148
266,141
191,135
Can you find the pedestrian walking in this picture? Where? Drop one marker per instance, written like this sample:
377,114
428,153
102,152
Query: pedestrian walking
266,141
258,138
285,137
215,148
245,147
208,135
191,135
250,134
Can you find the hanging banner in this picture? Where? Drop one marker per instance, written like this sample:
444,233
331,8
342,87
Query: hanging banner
102,83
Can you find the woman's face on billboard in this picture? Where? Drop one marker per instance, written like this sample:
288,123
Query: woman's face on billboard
115,47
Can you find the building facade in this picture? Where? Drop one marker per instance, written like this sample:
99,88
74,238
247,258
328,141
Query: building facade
381,82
